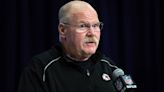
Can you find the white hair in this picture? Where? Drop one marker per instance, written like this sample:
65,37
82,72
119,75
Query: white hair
65,11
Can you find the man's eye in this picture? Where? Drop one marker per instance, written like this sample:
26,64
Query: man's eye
82,25
95,25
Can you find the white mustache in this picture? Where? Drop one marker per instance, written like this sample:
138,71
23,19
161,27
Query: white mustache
90,39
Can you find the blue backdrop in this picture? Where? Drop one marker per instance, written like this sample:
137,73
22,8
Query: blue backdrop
132,37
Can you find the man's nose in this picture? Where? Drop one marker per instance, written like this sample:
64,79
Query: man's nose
91,30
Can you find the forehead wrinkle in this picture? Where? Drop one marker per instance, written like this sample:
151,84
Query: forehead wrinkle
84,15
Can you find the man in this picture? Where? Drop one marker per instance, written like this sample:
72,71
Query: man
75,65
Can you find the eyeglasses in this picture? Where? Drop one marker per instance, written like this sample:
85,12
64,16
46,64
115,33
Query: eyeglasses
83,27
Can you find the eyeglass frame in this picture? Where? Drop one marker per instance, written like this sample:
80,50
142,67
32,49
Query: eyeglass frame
83,27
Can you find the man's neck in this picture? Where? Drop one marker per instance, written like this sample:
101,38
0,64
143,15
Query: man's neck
78,59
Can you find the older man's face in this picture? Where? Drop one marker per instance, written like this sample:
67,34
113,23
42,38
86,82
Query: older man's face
83,41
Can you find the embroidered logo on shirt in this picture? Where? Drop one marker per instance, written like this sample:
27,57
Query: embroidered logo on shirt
106,77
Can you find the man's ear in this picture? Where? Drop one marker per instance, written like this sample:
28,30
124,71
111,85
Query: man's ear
62,30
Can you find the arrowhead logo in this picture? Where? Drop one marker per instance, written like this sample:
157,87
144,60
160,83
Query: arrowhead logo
105,77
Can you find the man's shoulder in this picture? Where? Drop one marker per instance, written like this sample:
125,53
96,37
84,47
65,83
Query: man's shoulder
47,56
44,54
108,61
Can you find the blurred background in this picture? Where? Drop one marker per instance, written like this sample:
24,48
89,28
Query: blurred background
131,37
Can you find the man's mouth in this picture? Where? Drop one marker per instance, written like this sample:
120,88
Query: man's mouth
91,43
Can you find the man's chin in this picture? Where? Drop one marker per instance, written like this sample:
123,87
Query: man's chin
90,52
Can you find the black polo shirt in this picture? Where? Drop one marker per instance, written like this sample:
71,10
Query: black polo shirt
53,71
